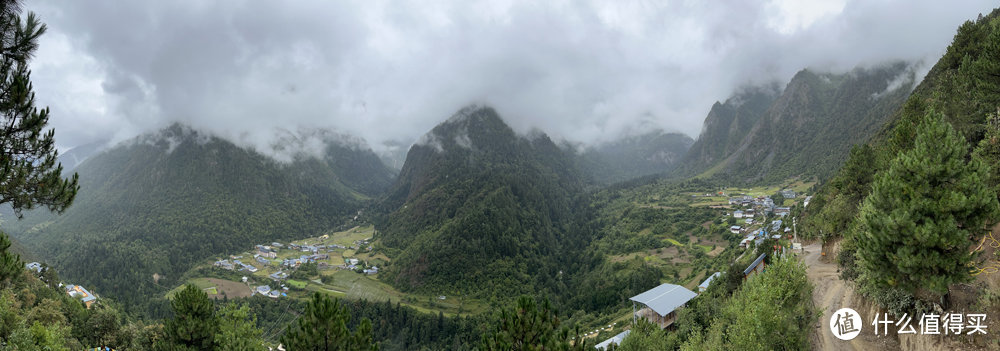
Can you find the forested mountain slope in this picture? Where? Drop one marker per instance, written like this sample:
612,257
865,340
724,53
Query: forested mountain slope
478,209
632,157
162,202
807,130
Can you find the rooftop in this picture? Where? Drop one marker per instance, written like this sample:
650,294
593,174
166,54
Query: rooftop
665,298
755,263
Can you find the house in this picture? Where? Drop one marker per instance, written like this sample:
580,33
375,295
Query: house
370,271
263,260
748,213
273,294
782,211
659,305
318,257
224,264
805,203
737,214
79,292
279,275
704,285
788,193
34,266
617,340
748,221
776,236
263,290
268,254
735,229
756,267
277,244
775,225
745,243
352,261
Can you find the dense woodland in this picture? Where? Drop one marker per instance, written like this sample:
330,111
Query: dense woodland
528,226
944,135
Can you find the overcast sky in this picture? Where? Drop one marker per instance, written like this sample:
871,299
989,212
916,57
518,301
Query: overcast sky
584,71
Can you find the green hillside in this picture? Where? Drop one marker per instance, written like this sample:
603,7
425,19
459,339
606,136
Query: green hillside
805,131
479,210
162,202
633,157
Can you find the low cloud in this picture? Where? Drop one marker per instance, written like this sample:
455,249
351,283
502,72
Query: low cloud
387,72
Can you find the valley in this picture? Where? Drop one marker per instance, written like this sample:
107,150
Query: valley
359,179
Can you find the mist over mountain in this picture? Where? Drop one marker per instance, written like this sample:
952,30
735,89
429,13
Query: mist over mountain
632,157
161,202
474,202
805,130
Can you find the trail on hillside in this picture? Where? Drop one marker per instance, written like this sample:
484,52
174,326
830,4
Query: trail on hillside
830,293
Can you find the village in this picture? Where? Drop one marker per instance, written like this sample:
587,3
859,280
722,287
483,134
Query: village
342,264
753,219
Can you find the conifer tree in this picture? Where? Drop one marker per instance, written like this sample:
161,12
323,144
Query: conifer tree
194,324
238,330
323,326
10,263
530,326
29,174
916,226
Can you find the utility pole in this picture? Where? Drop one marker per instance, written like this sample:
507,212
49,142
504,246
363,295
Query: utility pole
795,233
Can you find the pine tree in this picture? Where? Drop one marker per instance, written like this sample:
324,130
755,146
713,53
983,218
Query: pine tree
529,326
238,330
988,150
10,263
194,324
916,226
323,326
29,175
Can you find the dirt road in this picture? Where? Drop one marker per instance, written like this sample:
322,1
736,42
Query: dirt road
830,294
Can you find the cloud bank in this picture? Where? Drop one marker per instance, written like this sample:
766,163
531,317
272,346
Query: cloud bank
388,71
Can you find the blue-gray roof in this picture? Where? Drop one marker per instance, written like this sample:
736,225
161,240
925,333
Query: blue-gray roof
665,298
755,263
617,340
704,284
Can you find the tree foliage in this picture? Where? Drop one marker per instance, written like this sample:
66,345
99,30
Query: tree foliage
772,311
323,326
530,326
194,324
917,223
29,175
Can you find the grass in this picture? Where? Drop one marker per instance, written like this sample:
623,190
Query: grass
347,284
674,242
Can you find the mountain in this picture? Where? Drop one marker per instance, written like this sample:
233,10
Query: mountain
962,85
76,155
727,125
633,157
478,209
807,130
157,204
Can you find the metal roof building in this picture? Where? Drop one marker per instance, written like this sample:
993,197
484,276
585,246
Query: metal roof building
704,285
617,340
661,302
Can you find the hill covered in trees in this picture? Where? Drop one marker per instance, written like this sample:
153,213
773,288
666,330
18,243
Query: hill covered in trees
633,157
150,208
763,135
478,209
941,144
